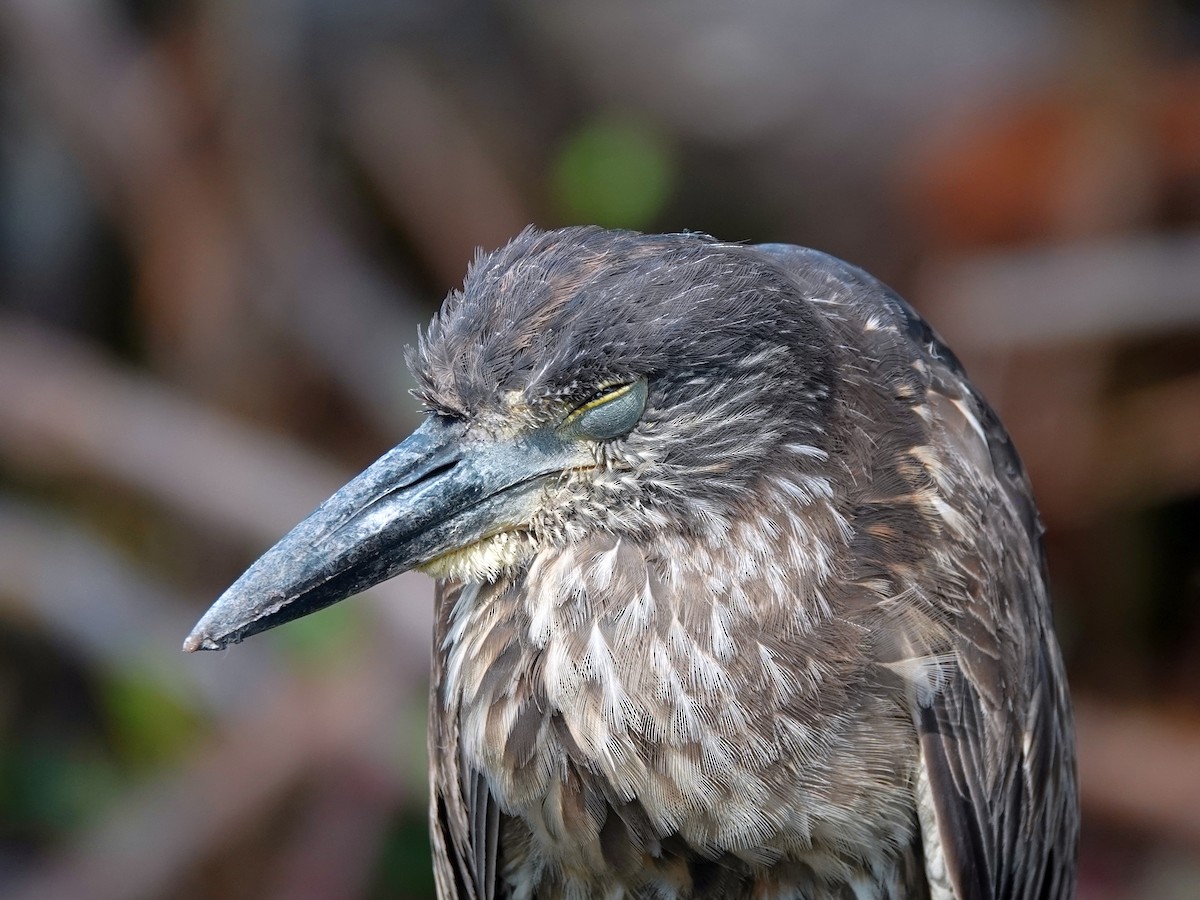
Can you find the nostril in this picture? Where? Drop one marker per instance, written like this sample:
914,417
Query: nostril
420,477
429,474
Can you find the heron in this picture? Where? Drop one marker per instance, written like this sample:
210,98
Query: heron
740,586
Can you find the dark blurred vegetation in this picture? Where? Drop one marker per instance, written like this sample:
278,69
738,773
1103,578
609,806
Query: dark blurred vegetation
222,220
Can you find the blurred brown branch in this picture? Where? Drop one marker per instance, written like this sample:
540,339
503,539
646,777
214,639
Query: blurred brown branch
1140,767
1069,293
316,286
1040,328
1149,443
440,180
118,105
72,585
161,830
205,299
63,408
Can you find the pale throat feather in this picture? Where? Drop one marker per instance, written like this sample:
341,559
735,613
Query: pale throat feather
619,647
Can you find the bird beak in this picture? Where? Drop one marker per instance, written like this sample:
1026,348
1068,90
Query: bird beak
437,492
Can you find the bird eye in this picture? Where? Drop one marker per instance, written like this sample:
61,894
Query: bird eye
610,415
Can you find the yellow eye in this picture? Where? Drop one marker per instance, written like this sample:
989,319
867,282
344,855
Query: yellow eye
608,416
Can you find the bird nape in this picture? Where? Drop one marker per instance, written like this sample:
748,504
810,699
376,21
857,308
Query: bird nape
740,586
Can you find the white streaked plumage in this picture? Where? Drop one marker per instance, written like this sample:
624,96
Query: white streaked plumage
788,638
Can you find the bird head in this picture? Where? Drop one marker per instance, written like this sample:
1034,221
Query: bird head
582,380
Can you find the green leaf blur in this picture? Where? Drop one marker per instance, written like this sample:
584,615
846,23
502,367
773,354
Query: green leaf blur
614,173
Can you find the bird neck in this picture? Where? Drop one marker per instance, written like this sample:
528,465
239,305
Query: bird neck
595,651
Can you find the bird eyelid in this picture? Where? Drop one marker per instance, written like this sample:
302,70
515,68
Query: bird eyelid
608,416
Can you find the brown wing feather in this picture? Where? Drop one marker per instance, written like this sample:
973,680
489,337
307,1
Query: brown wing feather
997,738
996,735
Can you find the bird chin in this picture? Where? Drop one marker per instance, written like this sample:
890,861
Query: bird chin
485,560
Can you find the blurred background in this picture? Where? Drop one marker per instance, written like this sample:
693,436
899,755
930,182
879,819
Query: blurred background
221,221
